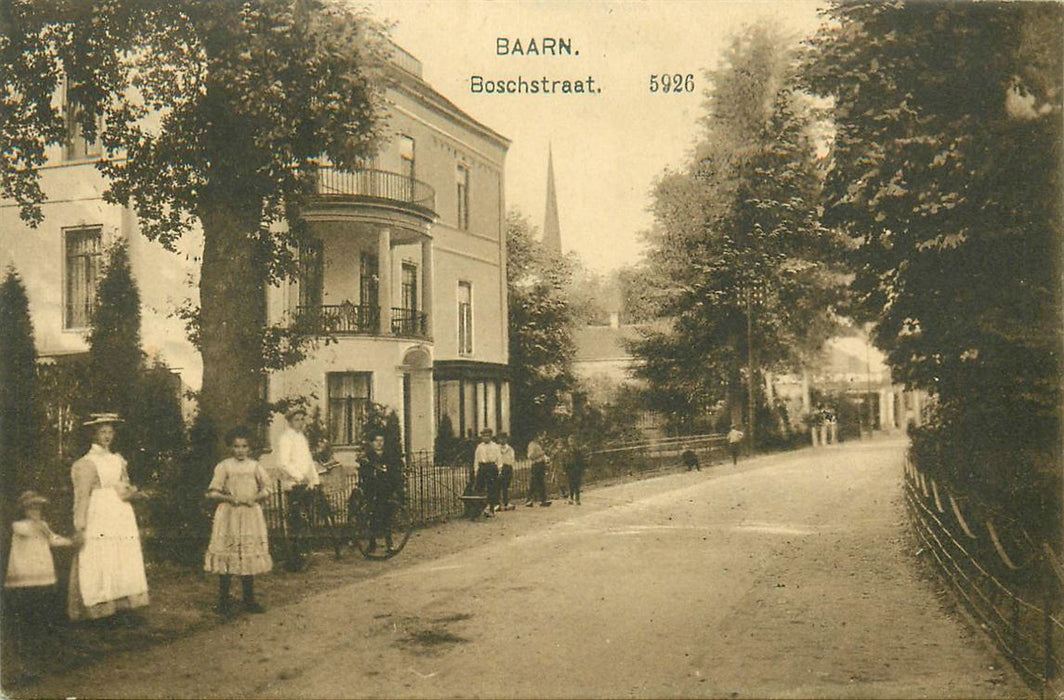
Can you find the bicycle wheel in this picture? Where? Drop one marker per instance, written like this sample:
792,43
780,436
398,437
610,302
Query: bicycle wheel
402,524
359,524
331,527
390,537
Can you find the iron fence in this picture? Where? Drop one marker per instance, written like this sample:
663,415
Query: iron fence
1014,597
433,490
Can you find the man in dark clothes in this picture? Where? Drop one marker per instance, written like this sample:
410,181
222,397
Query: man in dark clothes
575,468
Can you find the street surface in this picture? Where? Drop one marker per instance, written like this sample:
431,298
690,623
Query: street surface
790,576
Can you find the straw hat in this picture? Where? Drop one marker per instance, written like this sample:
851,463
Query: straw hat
31,498
103,419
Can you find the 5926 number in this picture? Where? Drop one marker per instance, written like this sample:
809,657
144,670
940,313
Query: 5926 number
672,82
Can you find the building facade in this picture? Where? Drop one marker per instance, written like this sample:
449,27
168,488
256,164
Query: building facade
405,274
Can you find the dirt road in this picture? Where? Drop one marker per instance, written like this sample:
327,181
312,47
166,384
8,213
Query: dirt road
790,576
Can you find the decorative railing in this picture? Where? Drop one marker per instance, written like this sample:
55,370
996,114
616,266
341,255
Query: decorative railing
348,318
375,184
341,318
410,323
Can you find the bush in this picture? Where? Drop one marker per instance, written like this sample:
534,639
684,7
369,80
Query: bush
179,510
19,419
1021,486
448,447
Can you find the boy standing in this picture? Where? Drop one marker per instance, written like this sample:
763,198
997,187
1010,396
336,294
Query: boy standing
735,441
508,460
537,486
486,459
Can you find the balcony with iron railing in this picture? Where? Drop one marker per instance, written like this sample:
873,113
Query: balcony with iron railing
410,323
372,186
362,319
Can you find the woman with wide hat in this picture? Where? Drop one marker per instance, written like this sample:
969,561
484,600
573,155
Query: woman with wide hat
107,574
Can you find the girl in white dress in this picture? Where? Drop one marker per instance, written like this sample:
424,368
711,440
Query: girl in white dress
107,574
239,545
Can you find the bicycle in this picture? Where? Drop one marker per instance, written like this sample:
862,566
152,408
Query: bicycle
397,527
314,523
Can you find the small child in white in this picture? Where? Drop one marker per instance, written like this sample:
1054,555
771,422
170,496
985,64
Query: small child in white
29,586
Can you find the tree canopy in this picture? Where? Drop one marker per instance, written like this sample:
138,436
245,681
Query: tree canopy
213,115
945,172
737,248
540,323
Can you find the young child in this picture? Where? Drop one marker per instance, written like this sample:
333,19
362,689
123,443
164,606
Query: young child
239,543
30,581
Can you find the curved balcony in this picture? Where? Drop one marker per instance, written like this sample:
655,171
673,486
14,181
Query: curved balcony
362,319
376,187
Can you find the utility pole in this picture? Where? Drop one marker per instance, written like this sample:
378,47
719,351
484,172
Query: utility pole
751,381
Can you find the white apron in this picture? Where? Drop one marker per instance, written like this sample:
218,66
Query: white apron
110,565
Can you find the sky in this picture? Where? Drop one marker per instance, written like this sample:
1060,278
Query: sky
608,147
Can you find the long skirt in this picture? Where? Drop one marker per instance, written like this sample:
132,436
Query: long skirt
239,543
107,574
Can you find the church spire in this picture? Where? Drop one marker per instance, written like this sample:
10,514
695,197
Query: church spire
552,232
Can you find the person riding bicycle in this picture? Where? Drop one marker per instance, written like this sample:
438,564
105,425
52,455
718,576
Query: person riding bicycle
381,478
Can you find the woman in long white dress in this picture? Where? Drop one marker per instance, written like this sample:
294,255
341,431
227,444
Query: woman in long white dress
107,574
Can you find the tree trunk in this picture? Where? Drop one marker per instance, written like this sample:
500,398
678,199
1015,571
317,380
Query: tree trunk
232,314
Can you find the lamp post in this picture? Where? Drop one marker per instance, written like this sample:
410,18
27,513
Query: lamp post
751,382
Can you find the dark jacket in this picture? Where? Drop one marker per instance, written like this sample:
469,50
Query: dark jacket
378,476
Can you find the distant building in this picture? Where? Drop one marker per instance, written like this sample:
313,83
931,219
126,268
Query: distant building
852,367
604,365
406,270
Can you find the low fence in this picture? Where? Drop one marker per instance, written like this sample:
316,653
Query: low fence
1015,597
433,490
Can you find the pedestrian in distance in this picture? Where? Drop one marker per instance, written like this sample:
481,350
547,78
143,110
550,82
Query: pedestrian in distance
575,468
735,441
507,461
537,486
107,578
486,458
300,476
30,583
690,459
239,544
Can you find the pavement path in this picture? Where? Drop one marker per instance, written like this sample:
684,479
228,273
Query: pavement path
789,576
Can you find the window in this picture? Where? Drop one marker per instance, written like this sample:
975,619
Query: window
77,147
449,405
349,400
465,318
311,276
409,285
406,155
470,405
83,256
462,177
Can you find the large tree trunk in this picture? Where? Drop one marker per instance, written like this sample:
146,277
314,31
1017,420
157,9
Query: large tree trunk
232,313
